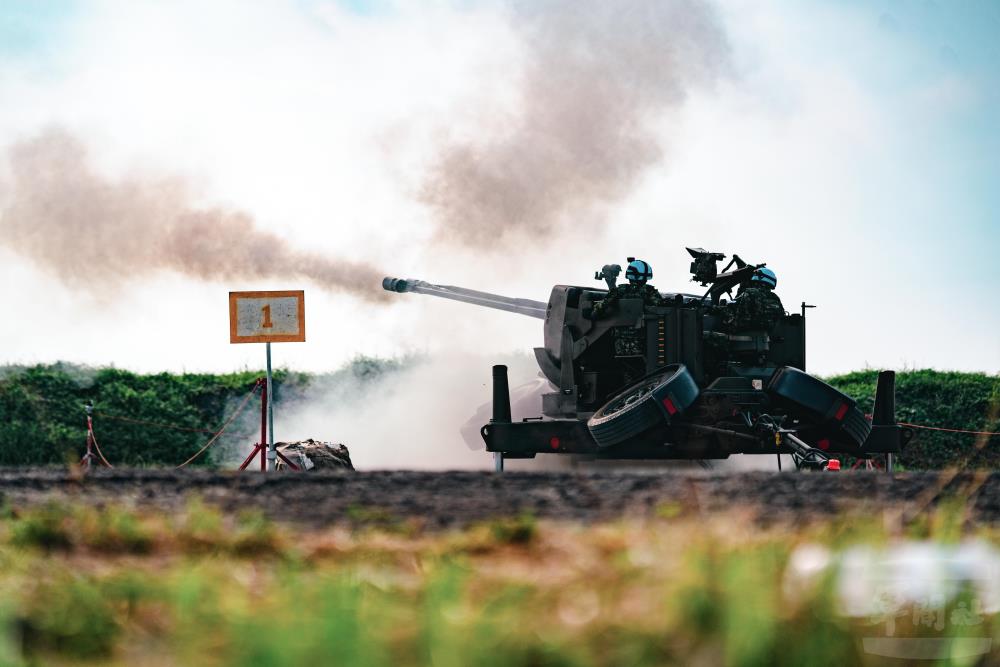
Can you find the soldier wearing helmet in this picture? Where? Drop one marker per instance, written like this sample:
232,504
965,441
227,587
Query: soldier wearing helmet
638,274
756,307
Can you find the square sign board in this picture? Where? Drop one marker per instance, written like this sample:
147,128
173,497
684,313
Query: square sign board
267,317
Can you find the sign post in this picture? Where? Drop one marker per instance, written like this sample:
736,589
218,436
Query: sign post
268,317
271,457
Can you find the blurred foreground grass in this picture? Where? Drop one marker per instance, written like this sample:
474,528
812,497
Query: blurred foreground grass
114,587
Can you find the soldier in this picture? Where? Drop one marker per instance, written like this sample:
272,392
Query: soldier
637,273
756,307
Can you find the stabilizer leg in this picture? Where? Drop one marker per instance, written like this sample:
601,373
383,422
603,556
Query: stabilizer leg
501,407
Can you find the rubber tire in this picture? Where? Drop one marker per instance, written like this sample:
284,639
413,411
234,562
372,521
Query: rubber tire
816,401
646,412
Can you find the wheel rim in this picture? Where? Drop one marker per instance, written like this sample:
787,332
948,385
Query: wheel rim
631,397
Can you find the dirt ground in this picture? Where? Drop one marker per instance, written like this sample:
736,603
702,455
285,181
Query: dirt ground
458,498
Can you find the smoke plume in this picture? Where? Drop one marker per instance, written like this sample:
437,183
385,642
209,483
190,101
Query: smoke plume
420,416
597,76
92,232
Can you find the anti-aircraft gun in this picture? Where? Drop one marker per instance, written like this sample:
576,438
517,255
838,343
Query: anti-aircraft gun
689,389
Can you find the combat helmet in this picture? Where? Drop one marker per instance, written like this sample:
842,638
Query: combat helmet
638,271
764,277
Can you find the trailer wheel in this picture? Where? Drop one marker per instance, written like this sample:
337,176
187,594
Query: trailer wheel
653,401
814,400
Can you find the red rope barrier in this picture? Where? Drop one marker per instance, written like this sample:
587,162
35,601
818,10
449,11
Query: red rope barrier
93,439
946,430
229,421
157,424
215,434
950,430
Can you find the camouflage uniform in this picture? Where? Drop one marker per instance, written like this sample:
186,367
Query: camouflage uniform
755,308
627,339
649,295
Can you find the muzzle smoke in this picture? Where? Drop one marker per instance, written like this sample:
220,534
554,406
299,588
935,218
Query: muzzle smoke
597,77
92,232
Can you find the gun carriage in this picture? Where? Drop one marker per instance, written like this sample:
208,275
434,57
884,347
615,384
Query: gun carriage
668,381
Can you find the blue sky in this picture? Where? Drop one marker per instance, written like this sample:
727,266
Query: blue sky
960,150
28,28
945,192
856,137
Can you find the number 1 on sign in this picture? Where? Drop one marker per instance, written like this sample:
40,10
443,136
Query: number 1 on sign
267,317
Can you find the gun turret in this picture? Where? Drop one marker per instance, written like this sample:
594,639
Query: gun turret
527,307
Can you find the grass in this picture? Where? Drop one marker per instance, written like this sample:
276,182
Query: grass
111,586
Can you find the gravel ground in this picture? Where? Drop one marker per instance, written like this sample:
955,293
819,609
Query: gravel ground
457,498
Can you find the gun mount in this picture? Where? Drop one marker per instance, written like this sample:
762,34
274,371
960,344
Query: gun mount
669,381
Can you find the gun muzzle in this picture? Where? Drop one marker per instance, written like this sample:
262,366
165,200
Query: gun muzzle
395,284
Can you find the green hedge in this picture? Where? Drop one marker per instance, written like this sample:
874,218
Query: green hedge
941,399
42,420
